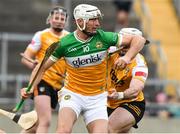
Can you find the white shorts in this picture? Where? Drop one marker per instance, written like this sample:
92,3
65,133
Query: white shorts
91,107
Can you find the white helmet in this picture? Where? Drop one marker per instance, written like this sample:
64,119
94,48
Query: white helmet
86,12
130,31
126,31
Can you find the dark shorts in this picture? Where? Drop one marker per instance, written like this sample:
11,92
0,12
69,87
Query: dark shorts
44,88
136,108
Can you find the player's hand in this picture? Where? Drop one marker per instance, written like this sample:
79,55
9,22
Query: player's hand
113,94
121,63
24,95
34,63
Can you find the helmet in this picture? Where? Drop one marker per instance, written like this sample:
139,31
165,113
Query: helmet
86,12
57,9
130,31
126,31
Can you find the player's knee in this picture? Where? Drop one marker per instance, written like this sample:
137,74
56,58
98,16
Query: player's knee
113,128
45,119
126,130
45,123
64,129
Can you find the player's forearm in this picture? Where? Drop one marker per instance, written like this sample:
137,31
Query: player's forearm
136,46
131,93
28,64
134,89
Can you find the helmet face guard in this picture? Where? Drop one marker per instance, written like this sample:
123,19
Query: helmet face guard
86,12
57,14
57,18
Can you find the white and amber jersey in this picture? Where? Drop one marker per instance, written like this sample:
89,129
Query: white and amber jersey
120,79
40,42
86,61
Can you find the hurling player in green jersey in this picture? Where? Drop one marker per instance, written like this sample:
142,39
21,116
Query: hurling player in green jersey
85,53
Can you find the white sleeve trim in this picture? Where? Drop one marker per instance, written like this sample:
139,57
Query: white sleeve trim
139,69
53,58
120,40
35,44
143,70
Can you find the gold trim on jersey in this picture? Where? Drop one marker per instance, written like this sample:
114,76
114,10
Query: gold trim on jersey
139,78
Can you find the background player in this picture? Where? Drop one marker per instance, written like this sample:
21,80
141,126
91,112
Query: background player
45,94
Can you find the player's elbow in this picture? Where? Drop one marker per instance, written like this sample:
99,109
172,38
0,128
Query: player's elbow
140,41
136,92
141,86
134,95
24,62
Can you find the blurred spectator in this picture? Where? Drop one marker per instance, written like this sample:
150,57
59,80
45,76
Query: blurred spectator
166,106
173,106
123,8
162,100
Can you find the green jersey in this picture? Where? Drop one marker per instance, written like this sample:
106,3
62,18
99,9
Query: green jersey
86,61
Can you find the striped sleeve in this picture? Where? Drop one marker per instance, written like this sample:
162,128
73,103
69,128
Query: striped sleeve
140,71
35,44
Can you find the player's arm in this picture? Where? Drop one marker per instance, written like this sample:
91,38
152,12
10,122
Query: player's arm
40,74
135,44
58,53
134,89
139,76
29,55
136,85
31,51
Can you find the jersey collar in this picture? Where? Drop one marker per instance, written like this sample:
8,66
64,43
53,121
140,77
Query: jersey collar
82,41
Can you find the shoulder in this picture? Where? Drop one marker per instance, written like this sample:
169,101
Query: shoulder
66,41
140,60
105,33
107,36
39,33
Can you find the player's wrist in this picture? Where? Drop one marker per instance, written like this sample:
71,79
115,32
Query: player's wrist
120,95
126,59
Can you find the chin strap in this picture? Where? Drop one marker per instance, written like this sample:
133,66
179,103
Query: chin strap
84,25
